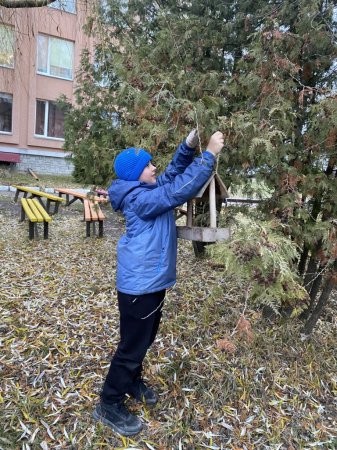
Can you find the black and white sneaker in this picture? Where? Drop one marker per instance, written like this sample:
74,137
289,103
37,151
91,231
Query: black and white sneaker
118,418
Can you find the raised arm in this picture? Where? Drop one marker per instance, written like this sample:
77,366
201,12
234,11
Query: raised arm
148,204
182,158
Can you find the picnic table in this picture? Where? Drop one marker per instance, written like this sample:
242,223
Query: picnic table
44,198
77,196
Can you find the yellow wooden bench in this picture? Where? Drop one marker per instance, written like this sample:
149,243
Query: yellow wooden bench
49,198
92,215
32,208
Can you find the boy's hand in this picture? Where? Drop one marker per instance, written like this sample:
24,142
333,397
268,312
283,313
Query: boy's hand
216,143
192,139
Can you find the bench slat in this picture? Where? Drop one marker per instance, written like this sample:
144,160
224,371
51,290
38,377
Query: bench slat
42,211
35,210
93,214
38,193
93,211
101,216
87,211
26,206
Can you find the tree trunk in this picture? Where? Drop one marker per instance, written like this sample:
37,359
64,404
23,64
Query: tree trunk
310,275
315,287
303,260
313,294
322,302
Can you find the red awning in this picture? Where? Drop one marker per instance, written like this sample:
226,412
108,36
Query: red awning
10,157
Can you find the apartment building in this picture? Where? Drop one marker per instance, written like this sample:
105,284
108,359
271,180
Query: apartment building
40,49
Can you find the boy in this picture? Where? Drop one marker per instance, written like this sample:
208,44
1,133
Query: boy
146,264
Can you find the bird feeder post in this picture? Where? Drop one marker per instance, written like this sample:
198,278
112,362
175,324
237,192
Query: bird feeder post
189,221
212,204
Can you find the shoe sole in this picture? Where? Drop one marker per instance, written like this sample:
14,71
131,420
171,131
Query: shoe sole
107,422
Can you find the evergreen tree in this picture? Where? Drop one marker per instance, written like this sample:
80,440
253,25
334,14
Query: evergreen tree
283,128
262,72
163,66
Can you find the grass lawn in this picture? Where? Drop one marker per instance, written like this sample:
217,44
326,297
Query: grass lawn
59,328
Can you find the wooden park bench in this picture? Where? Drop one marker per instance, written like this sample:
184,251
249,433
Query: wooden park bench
41,196
92,215
32,208
76,196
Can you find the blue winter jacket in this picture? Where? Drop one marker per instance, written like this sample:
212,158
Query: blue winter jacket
147,252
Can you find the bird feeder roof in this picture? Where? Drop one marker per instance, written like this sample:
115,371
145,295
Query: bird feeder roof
220,188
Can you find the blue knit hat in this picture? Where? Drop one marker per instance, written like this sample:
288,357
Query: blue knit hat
130,163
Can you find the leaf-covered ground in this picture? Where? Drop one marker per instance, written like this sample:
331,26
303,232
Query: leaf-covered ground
59,328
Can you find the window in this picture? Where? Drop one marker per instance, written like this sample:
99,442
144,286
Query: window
106,11
49,120
64,5
6,108
55,57
6,46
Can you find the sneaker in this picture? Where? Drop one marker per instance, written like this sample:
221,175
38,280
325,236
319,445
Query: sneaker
118,418
142,393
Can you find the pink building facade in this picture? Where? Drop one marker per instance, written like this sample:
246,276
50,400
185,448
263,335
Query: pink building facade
40,50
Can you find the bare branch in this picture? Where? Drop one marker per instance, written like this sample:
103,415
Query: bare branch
25,3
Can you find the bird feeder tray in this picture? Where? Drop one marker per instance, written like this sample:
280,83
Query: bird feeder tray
213,190
203,234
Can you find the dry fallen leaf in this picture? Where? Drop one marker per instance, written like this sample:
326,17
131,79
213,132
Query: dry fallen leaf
244,329
226,345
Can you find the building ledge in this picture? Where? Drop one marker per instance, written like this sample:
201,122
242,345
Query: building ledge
34,152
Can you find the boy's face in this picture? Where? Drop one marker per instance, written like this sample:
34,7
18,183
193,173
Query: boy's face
149,174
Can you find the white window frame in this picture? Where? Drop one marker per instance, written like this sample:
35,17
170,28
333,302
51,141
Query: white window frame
12,29
8,133
48,74
58,5
45,128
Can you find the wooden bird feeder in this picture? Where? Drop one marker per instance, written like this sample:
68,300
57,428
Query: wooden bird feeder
212,192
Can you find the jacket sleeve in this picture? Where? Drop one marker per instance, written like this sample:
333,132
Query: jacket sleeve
182,158
147,204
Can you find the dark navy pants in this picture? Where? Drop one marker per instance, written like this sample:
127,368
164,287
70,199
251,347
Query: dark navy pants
139,322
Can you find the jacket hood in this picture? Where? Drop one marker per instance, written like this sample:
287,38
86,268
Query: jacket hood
119,189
